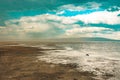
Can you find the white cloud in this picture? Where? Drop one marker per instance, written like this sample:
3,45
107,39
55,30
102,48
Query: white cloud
79,30
114,8
93,5
113,35
99,17
89,32
41,23
89,5
71,7
104,17
61,12
47,23
30,24
34,27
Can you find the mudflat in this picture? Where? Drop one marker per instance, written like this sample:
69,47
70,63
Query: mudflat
20,63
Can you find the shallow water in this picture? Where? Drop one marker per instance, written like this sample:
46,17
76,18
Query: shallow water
101,58
98,57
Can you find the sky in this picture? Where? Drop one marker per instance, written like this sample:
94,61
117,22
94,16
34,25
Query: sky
43,19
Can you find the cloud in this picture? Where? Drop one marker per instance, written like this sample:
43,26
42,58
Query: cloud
114,8
33,27
71,7
79,30
88,5
104,17
59,18
93,5
54,26
93,32
113,35
97,17
7,6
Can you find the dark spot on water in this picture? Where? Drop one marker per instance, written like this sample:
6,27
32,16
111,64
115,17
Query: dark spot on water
87,54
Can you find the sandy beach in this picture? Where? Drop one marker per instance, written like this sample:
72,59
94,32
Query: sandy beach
20,63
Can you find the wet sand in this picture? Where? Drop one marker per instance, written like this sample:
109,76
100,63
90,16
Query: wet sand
20,63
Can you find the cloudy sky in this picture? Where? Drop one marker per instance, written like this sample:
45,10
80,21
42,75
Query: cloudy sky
39,19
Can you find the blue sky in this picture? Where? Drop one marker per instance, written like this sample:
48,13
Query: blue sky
39,19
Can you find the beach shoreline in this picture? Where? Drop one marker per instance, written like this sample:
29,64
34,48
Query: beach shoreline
20,63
